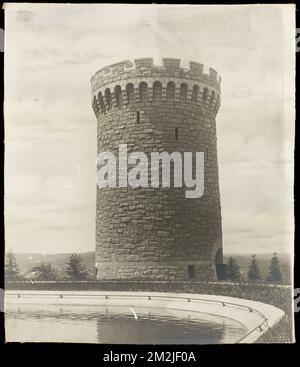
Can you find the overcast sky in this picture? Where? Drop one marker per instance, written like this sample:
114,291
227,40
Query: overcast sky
51,52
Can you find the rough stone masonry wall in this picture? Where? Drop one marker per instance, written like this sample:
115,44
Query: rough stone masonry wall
157,233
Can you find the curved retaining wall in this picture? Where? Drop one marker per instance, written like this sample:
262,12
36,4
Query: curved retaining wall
257,317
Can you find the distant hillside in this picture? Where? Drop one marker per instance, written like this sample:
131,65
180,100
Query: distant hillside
58,261
27,261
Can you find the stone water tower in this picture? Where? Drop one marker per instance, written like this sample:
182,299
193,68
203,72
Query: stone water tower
157,233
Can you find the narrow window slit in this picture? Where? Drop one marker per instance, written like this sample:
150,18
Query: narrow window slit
176,133
191,271
138,117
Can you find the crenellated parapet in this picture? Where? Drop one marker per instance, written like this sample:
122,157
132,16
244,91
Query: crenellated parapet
145,68
124,83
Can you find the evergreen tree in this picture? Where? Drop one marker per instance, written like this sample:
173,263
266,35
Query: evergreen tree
44,272
75,269
253,272
11,267
233,272
275,275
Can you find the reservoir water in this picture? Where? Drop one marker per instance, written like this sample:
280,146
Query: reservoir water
117,325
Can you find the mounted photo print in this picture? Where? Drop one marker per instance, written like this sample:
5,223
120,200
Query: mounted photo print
149,173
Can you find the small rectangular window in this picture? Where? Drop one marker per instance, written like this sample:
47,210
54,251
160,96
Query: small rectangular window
138,117
176,133
191,271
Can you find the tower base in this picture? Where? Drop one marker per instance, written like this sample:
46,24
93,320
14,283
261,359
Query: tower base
204,271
